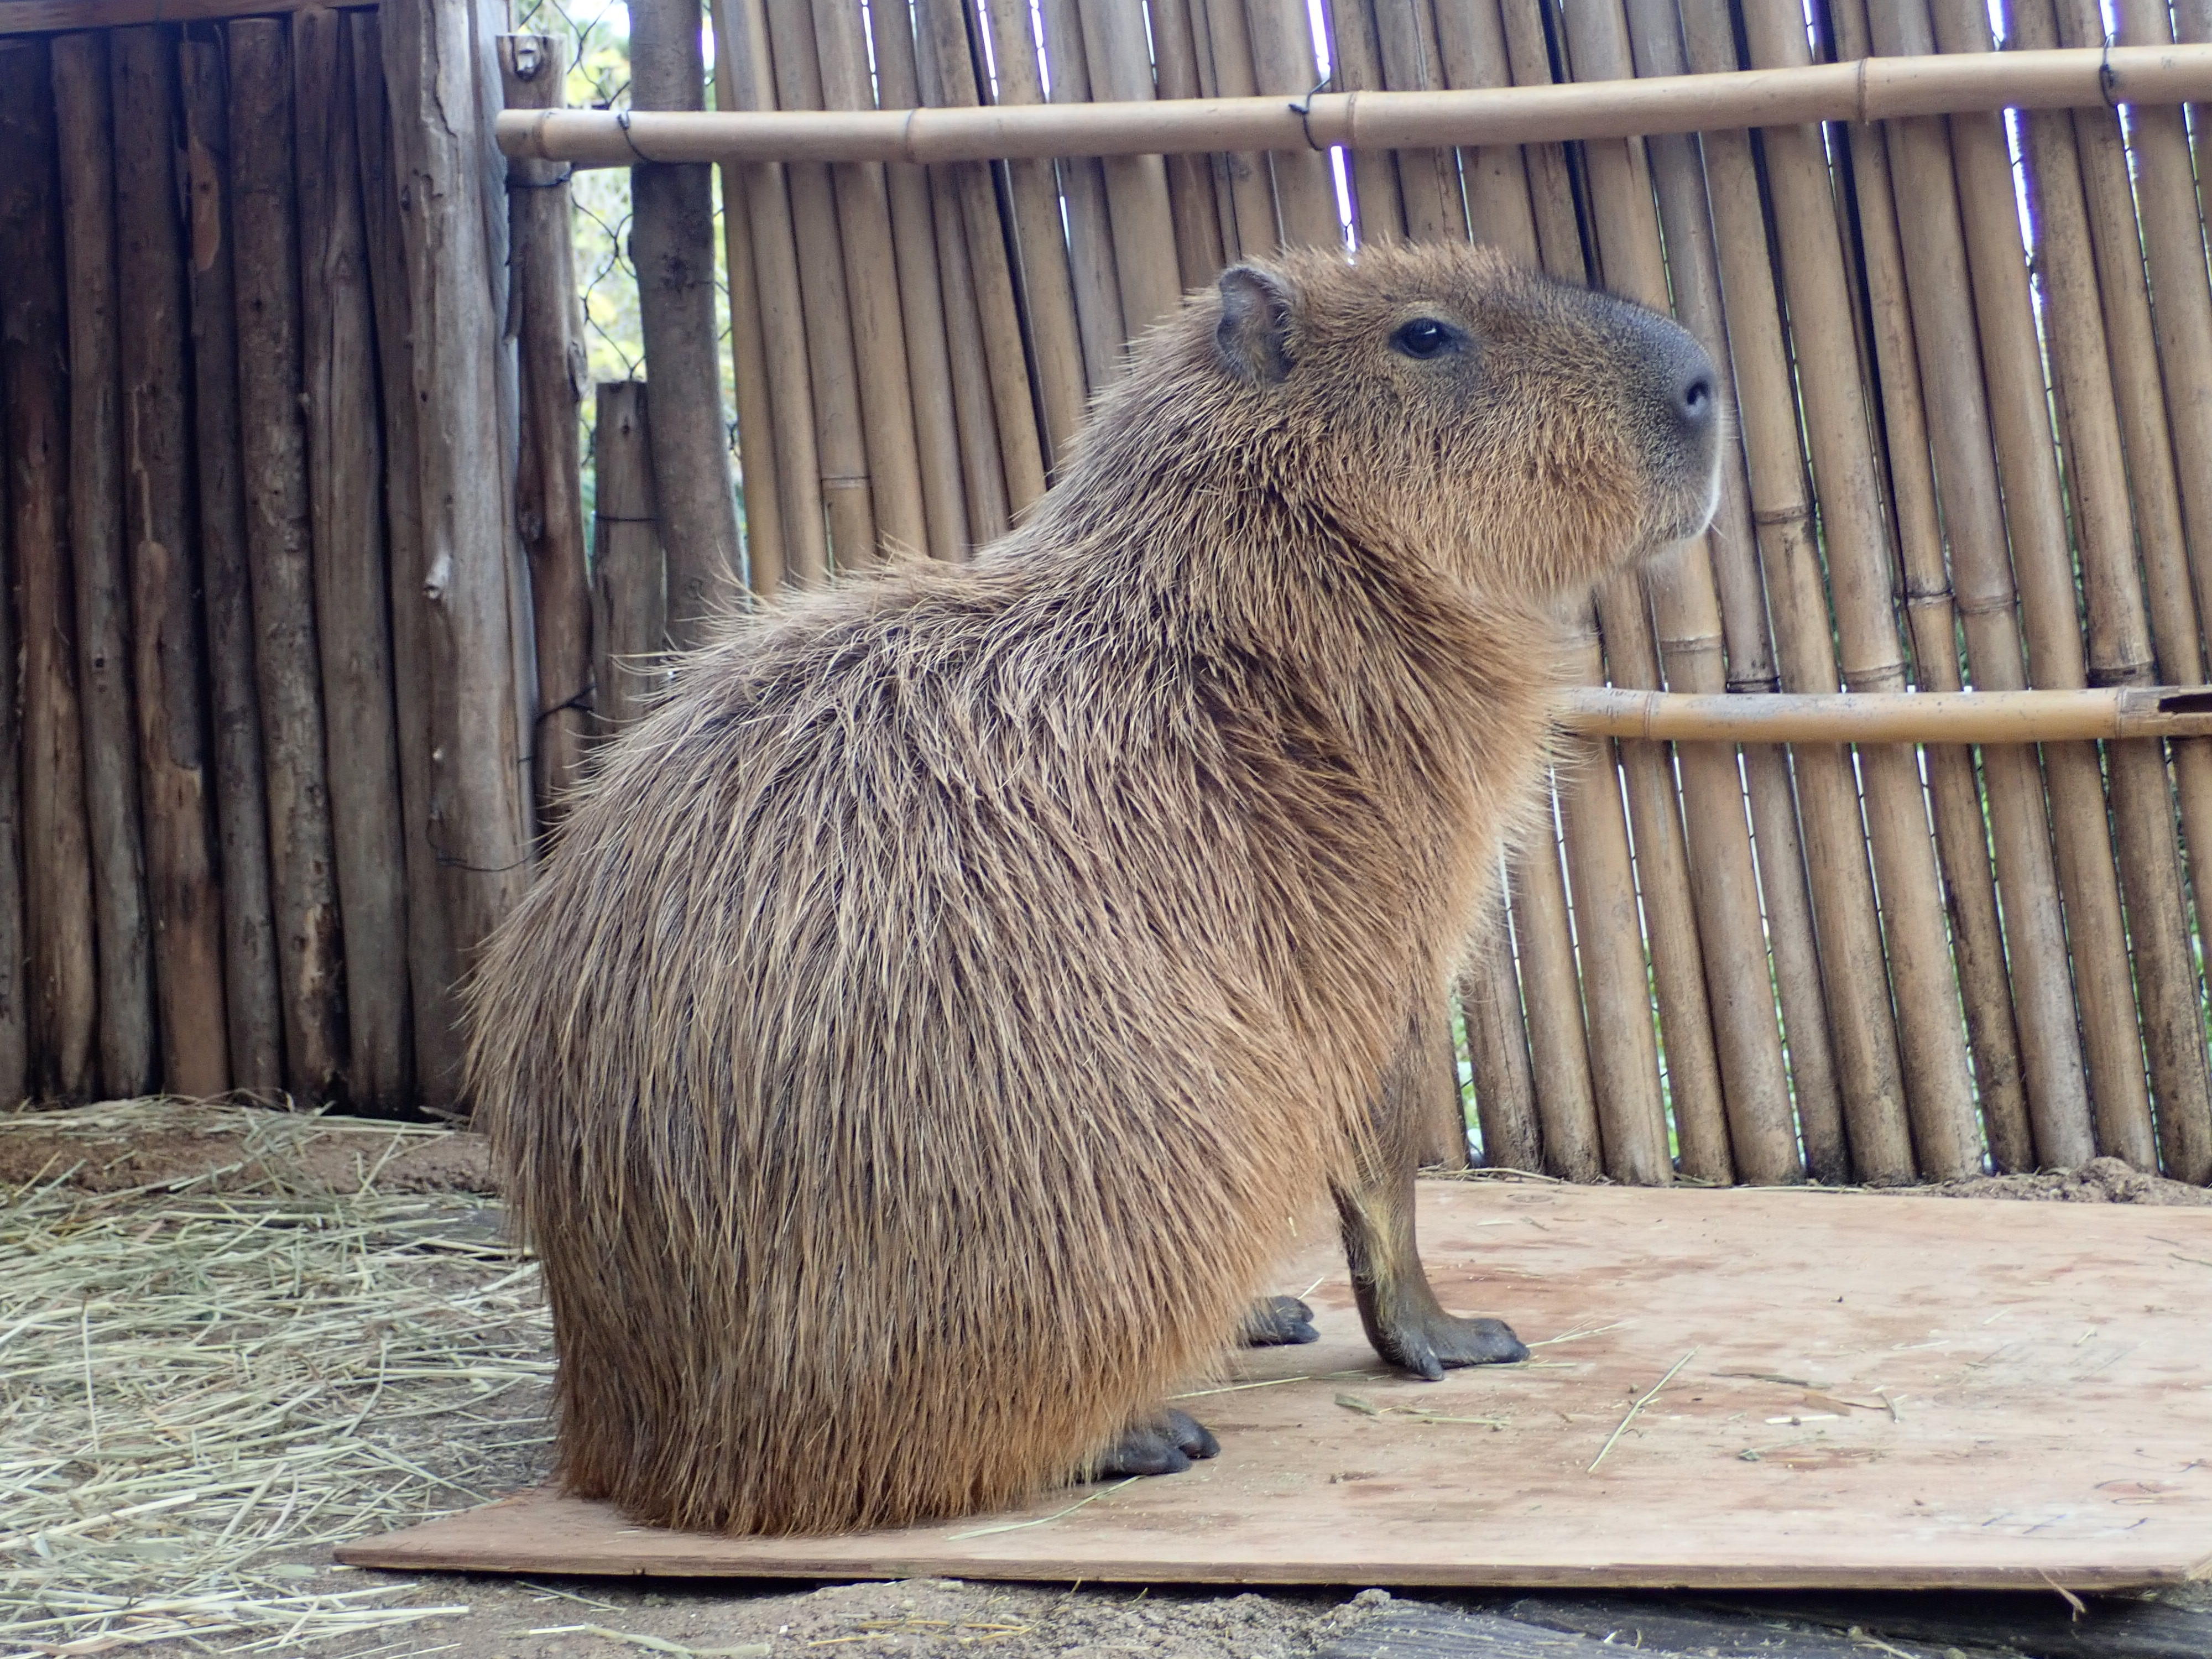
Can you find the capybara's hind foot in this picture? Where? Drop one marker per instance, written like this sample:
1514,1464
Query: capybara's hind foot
1427,1344
1279,1321
1165,1444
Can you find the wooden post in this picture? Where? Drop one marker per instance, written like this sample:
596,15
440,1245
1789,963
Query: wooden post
1225,40
51,1008
741,31
128,1056
167,662
433,968
478,812
351,580
279,549
542,314
629,573
249,933
1559,1061
672,243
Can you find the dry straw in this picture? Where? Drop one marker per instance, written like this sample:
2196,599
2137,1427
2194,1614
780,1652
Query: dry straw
204,1383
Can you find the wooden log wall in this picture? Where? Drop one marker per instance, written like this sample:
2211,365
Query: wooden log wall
1756,962
265,756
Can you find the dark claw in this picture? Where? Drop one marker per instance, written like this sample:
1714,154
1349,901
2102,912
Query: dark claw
1279,1321
1166,1445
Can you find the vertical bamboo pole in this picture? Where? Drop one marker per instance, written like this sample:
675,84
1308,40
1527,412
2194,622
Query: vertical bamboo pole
1945,1133
1498,1049
946,69
764,195
255,1029
871,286
351,577
128,1057
2040,1053
1566,1102
761,488
1551,182
478,809
1091,271
1178,25
1428,179
544,316
1687,603
1947,373
1120,60
1622,1054
2119,645
1033,190
433,968
840,435
629,572
913,234
2035,526
1695,277
57,890
1377,205
2181,302
672,245
1624,1050
280,555
1853,972
1191,192
1472,37
1226,40
186,900
1283,63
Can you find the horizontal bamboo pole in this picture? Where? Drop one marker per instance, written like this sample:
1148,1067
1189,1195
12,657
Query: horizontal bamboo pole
1891,716
1867,89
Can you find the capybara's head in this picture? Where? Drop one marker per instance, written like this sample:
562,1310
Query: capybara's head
1530,435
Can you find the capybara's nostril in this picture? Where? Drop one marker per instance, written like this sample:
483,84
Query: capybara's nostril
1694,401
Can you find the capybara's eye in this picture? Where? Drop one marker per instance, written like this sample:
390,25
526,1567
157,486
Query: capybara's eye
1424,337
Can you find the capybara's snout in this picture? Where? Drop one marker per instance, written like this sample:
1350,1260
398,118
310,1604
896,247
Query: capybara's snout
1674,413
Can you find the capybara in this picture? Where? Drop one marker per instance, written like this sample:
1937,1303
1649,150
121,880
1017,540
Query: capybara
935,1020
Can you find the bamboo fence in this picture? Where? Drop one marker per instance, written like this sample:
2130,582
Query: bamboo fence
1871,853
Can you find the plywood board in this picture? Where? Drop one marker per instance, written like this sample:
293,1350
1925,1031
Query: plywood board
1872,1393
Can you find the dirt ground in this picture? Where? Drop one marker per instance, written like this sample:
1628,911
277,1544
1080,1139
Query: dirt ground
498,1445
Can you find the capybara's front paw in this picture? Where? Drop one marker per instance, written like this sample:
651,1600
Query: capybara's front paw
1166,1443
1279,1321
1427,1346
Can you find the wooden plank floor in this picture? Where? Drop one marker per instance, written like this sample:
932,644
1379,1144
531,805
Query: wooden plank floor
1872,1392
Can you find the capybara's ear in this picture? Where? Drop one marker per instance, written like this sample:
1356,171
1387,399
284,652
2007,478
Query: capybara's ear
1254,337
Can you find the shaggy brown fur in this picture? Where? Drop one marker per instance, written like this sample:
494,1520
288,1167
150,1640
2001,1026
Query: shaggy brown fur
921,1044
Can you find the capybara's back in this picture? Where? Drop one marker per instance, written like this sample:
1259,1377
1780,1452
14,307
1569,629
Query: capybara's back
933,1021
